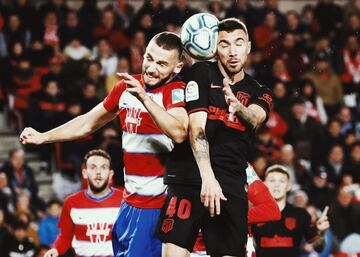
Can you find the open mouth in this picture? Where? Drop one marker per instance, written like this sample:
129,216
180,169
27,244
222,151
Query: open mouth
233,63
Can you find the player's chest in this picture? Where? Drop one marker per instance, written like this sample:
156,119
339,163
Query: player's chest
127,101
287,226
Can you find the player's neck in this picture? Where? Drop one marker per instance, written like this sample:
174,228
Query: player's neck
234,78
281,203
98,194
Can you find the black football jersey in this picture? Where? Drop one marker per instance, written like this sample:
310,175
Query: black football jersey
283,238
229,139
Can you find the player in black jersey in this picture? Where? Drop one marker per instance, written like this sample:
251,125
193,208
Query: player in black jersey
284,237
206,175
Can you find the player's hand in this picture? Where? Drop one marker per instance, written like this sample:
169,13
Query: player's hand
230,99
134,87
322,223
31,136
52,253
211,194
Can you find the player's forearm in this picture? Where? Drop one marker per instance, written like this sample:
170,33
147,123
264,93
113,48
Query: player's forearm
62,244
200,148
72,130
247,114
172,127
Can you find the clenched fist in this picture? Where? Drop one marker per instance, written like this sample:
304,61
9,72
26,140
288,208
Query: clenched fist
31,136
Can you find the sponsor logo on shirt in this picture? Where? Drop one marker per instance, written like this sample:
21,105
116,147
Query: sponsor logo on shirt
132,120
177,96
97,232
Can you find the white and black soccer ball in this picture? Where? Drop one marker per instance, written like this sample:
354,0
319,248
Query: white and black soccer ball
199,35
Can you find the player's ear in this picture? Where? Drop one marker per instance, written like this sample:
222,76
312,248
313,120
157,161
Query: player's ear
178,67
288,187
249,47
111,175
84,173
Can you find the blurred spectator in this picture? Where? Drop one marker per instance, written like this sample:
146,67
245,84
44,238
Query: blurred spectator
19,244
267,145
145,23
345,116
42,249
329,15
105,55
135,53
314,104
280,73
156,9
351,7
243,10
294,26
56,74
351,63
24,215
4,232
107,28
89,98
40,55
6,196
303,131
311,26
89,16
124,12
48,230
335,164
48,32
216,8
281,98
72,29
298,169
343,216
27,12
55,6
260,164
178,12
321,194
76,51
123,66
299,199
13,32
272,6
93,75
19,174
277,127
352,167
266,33
327,83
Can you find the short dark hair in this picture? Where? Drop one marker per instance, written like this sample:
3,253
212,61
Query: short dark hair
53,201
232,24
97,152
277,168
169,41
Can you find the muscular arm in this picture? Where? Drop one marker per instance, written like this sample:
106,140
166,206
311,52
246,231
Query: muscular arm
253,114
76,128
173,123
199,143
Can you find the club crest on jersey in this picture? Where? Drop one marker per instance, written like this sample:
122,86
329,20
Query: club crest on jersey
98,232
290,223
177,96
132,120
167,225
243,97
267,98
191,91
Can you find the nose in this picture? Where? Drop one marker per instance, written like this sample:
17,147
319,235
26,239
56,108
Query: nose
232,50
151,68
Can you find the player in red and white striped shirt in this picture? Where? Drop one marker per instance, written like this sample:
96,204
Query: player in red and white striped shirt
88,216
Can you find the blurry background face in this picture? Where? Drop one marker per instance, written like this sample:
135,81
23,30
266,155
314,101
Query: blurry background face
232,50
52,88
279,90
98,173
299,110
278,184
72,20
14,22
322,66
336,154
335,128
108,19
355,154
54,210
17,159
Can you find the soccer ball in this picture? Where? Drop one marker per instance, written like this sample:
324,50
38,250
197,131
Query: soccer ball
199,36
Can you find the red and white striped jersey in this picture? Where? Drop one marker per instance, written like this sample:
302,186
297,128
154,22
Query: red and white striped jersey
145,146
86,223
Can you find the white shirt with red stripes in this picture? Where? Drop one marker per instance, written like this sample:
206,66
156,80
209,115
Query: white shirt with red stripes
145,146
86,223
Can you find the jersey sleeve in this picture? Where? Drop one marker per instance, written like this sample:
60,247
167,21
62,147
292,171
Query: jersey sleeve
263,98
66,226
310,231
174,95
197,89
111,102
264,206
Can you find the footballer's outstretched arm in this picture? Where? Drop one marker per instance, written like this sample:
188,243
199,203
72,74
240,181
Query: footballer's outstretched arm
211,192
76,128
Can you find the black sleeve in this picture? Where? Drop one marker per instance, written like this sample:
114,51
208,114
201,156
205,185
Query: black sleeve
197,89
263,97
310,231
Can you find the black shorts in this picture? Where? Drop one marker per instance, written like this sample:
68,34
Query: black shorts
183,215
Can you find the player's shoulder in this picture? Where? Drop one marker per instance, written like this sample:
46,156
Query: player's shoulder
118,192
176,82
78,196
254,83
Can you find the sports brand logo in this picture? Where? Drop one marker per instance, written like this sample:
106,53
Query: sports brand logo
98,232
132,119
290,223
243,97
167,225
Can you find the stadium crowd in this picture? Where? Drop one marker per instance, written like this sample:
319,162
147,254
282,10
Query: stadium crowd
57,63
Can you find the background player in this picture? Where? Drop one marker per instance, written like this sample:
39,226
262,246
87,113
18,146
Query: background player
220,146
284,237
88,216
152,117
